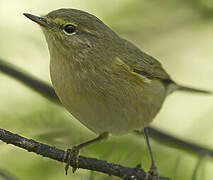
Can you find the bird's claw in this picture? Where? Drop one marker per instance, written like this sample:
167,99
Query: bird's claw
152,174
71,154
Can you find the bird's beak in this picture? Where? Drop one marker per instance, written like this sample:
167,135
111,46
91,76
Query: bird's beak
40,20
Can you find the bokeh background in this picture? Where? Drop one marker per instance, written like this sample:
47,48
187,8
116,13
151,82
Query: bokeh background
178,33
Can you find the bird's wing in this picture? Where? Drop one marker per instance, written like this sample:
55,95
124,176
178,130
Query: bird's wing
147,66
142,63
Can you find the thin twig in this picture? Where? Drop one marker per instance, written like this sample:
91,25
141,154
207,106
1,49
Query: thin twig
52,152
6,175
37,85
196,169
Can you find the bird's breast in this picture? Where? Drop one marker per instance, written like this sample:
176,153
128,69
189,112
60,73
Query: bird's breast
105,100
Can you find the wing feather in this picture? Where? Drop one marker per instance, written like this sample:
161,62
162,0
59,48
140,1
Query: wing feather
142,63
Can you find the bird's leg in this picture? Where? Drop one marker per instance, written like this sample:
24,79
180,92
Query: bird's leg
74,152
153,172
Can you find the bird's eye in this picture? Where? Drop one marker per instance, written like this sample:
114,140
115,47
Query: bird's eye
69,29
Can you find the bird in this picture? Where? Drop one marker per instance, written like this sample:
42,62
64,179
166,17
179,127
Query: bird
105,81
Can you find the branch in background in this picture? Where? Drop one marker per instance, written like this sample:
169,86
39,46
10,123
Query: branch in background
37,85
54,153
47,91
6,175
177,143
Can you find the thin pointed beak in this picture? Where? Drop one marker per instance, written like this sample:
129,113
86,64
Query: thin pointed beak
40,20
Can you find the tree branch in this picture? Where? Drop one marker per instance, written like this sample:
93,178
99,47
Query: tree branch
6,175
47,91
37,85
54,153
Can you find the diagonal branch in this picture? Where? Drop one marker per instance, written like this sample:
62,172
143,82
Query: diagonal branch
54,153
47,91
37,85
6,175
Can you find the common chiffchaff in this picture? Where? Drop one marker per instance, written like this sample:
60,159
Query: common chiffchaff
103,80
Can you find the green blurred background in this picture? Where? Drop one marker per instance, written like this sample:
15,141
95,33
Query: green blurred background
178,33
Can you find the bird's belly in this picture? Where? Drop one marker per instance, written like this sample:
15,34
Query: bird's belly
112,107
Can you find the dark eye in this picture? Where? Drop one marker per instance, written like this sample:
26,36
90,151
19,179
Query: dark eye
70,29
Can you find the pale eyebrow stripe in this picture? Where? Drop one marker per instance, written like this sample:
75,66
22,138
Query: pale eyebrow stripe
63,22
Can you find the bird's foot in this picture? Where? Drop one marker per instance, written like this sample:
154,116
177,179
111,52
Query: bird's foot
152,174
71,154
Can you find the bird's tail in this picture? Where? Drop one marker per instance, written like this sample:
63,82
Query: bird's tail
193,90
174,87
